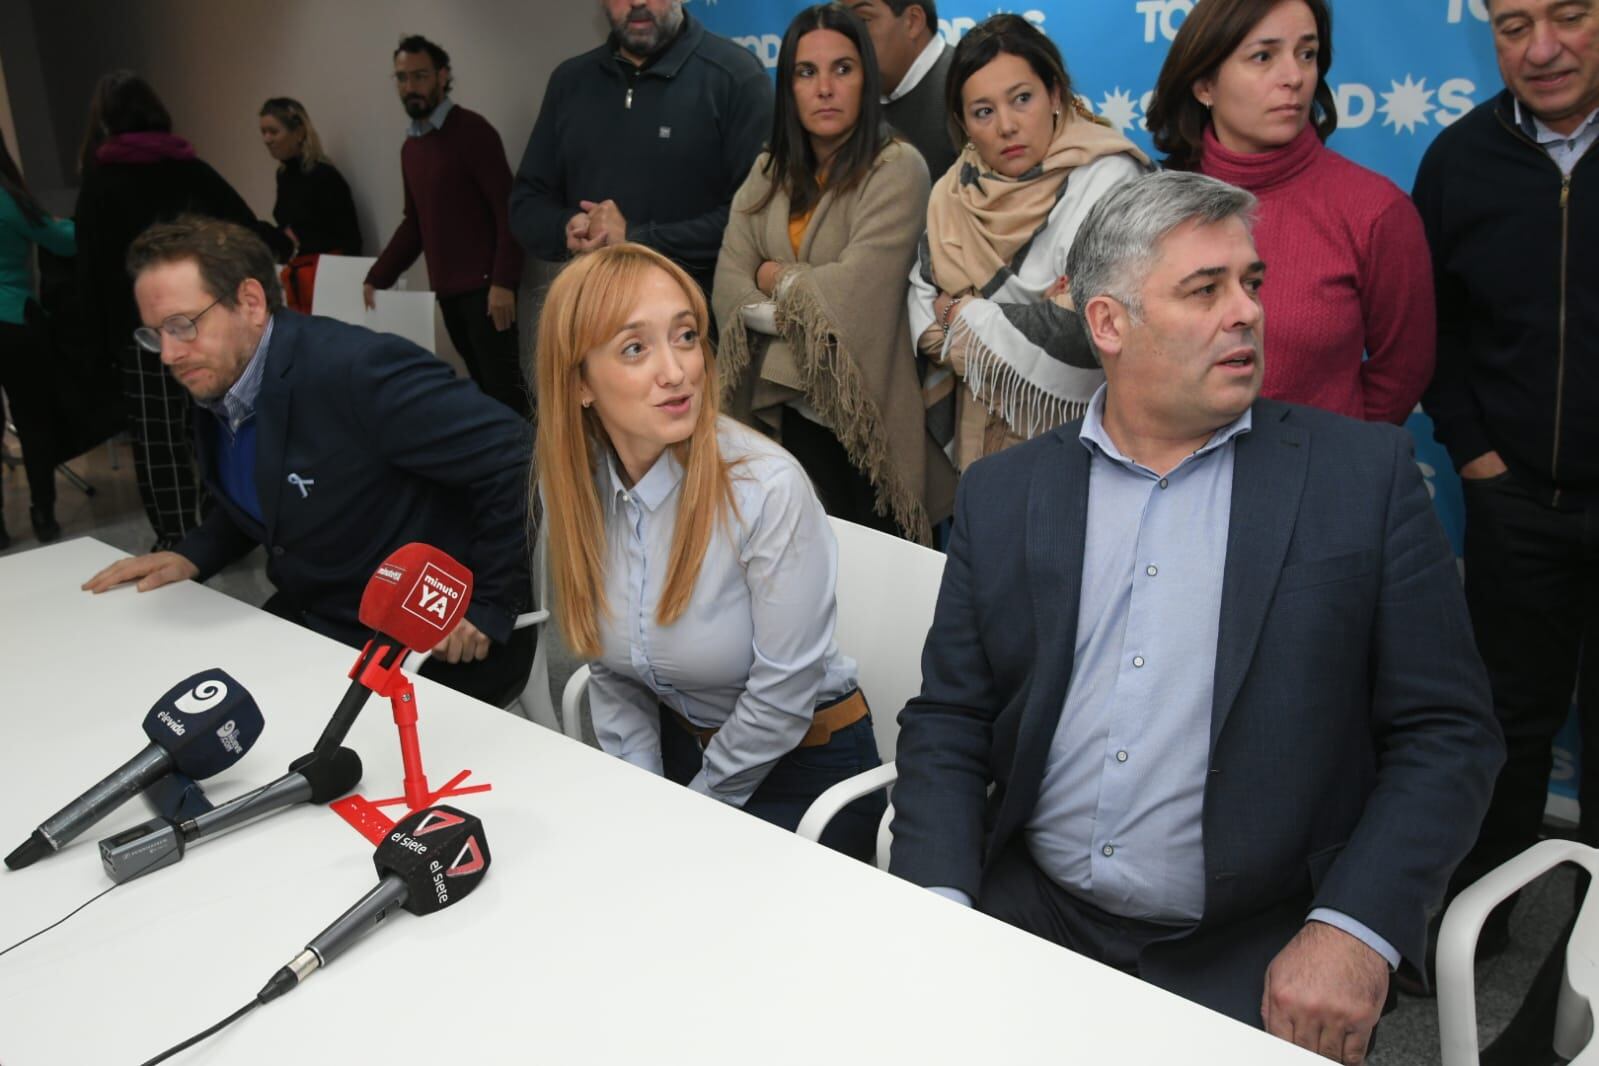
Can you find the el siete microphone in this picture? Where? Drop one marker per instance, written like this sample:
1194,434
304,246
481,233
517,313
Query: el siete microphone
162,842
430,860
202,726
414,600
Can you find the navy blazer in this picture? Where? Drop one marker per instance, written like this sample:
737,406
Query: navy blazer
391,447
1353,745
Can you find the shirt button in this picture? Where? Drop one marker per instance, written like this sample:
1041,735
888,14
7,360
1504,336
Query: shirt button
277,550
1151,569
1138,660
1107,851
1121,756
1162,482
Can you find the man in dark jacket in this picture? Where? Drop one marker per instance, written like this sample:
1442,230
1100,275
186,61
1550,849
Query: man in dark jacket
1199,699
331,446
646,138
915,62
1509,196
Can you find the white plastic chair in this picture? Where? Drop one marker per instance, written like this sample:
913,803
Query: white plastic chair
887,589
1457,949
572,703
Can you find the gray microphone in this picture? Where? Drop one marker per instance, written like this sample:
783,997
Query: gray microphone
202,726
161,842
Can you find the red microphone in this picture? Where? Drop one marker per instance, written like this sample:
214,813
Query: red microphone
414,600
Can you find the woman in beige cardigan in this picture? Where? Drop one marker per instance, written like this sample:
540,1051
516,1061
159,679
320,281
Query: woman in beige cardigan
811,282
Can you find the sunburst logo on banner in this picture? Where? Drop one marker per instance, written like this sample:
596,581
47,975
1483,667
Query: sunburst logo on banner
1118,109
1408,106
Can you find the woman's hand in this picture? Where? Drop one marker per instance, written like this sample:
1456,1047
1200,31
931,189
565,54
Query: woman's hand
767,275
944,307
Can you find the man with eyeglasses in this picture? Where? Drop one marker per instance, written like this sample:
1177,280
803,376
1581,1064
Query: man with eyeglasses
330,446
457,192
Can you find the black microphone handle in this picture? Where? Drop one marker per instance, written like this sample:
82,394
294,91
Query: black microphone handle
286,791
121,785
384,649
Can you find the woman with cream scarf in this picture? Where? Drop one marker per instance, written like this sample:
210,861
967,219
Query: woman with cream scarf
809,292
988,301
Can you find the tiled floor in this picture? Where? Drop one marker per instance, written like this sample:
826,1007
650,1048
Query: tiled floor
1408,1036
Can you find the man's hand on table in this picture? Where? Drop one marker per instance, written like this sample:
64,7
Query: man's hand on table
150,571
1325,992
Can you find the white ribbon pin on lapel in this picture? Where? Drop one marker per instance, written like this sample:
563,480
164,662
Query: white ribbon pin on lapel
301,483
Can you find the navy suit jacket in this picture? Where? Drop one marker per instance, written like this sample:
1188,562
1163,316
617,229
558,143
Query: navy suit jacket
391,447
1353,745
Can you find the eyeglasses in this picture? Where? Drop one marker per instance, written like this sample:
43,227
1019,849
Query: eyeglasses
178,327
414,77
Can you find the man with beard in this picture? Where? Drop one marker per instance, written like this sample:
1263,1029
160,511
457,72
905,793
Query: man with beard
330,446
645,138
456,186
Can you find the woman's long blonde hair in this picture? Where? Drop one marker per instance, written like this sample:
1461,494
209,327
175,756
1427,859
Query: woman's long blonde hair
587,305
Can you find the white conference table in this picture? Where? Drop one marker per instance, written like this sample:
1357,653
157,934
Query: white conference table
623,919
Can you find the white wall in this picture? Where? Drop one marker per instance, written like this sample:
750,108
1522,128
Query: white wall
213,63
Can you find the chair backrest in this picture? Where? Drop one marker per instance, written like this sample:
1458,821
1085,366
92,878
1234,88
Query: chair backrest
1457,948
887,589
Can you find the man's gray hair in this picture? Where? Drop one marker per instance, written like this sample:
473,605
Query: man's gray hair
1115,247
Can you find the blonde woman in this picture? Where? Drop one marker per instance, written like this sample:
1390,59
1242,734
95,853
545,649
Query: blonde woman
314,211
691,561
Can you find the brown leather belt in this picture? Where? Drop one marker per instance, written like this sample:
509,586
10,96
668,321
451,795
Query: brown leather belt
829,719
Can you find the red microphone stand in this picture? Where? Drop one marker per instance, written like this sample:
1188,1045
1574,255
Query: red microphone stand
390,681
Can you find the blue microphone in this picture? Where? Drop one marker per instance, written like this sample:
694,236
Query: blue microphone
202,726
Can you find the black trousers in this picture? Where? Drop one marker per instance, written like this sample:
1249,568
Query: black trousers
1532,583
844,491
1018,893
796,780
25,377
497,679
490,355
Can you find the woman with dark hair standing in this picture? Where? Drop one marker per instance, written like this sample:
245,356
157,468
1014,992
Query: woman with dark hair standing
314,211
1243,97
988,300
24,358
809,291
136,171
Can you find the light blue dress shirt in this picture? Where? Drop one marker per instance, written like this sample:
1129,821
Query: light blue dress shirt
753,655
1118,816
238,403
1119,821
1564,149
421,127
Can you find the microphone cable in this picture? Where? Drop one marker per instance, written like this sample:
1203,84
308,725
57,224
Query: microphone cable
197,1037
57,922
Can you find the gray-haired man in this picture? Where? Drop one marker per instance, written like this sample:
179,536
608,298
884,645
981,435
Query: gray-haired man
1200,699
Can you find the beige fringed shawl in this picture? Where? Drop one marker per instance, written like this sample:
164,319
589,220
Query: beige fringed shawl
843,345
1002,241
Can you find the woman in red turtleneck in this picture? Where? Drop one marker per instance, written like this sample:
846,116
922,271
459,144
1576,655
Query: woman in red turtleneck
1348,297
